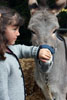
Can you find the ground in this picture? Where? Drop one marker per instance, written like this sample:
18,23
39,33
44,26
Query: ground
32,90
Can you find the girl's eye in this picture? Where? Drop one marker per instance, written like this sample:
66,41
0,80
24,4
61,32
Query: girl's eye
14,28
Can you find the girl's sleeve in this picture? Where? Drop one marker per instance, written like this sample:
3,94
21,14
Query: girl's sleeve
3,82
23,51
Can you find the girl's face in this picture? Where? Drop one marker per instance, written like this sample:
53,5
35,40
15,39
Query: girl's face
12,32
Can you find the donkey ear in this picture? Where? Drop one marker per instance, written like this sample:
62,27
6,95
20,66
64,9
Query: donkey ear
54,6
61,3
33,6
58,6
53,3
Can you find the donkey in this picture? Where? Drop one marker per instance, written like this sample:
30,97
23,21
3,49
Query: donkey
51,77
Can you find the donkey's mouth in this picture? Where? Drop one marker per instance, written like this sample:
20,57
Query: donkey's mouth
47,66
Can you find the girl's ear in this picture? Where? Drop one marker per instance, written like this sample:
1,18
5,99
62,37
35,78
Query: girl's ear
33,6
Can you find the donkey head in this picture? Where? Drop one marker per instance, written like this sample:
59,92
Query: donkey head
43,24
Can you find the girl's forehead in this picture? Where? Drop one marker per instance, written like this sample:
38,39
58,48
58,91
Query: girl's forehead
16,21
11,27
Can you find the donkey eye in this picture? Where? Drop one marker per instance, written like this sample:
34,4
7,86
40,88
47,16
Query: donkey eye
55,31
32,32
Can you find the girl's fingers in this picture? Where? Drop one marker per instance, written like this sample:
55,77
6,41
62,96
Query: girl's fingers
45,55
43,60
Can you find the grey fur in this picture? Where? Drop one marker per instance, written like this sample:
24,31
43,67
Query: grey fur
42,23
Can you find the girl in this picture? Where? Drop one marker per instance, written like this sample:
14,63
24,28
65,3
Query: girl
11,76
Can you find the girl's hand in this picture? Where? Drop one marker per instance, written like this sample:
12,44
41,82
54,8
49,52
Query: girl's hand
44,55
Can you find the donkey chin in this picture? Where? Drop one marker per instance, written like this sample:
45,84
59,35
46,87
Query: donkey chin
47,66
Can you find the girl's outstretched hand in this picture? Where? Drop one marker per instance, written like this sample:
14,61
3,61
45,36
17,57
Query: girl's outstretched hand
44,55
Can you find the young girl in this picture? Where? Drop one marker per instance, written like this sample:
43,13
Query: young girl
11,76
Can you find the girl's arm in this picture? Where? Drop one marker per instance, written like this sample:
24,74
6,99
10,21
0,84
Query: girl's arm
23,51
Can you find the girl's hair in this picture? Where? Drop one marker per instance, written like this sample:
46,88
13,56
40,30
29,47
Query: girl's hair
7,17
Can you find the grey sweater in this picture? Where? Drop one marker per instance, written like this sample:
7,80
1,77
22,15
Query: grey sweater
11,77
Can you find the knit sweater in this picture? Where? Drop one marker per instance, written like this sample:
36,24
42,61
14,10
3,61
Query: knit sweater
11,77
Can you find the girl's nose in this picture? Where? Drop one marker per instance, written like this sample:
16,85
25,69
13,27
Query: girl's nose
18,33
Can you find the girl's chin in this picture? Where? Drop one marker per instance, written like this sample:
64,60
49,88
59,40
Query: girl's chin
11,43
